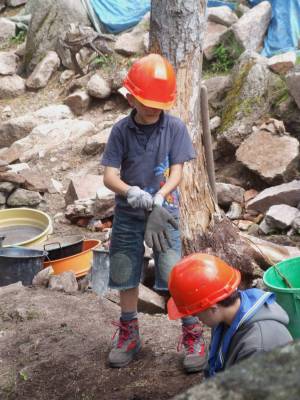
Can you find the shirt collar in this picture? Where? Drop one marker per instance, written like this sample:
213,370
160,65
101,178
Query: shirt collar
133,126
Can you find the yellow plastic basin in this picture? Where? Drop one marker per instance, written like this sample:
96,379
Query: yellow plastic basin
24,226
80,263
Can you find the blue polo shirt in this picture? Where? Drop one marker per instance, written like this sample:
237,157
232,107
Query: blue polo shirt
146,163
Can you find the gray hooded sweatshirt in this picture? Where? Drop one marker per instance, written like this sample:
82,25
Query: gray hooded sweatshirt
265,331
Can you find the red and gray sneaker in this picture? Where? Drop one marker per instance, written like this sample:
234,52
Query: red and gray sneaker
194,348
127,344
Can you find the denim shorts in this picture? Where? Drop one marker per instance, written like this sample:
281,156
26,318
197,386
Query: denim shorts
127,254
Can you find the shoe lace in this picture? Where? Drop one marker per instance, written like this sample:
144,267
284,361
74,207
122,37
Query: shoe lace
188,338
124,333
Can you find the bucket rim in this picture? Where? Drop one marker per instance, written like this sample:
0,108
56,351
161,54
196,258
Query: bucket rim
272,269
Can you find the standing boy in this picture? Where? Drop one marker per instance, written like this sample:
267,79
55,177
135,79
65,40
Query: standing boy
244,322
143,162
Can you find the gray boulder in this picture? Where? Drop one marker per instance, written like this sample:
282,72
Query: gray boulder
221,15
274,158
287,193
11,86
245,102
293,82
7,29
269,376
23,197
49,21
252,26
281,216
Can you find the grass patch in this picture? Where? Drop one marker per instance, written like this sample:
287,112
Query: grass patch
19,38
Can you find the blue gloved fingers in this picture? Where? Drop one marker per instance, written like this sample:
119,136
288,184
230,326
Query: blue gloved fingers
173,222
156,243
163,243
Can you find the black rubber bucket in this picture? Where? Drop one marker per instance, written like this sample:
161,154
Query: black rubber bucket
20,264
65,247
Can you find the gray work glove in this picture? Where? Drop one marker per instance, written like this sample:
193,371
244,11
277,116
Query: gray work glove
156,234
138,198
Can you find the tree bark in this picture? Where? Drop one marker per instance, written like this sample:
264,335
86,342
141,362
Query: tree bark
177,31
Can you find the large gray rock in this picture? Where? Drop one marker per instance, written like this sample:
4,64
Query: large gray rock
217,87
11,86
98,87
269,376
24,198
8,63
245,102
15,3
293,82
49,21
83,187
282,63
7,29
228,193
288,111
135,41
252,26
274,158
79,102
221,15
51,136
281,216
96,143
43,71
286,193
17,128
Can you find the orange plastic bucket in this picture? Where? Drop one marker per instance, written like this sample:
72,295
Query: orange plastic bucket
80,263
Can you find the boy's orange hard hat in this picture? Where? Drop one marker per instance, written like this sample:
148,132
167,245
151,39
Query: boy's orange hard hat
199,281
152,81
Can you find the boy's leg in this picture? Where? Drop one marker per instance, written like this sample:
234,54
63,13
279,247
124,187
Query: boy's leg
126,261
191,339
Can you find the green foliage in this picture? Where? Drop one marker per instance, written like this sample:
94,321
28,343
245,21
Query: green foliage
19,38
278,91
222,60
23,375
298,60
233,103
103,62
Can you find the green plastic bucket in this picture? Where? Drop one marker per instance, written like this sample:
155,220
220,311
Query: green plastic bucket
288,298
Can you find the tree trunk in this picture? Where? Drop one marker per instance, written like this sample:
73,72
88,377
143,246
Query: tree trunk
177,31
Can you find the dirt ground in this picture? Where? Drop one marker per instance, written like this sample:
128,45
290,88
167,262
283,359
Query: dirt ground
54,346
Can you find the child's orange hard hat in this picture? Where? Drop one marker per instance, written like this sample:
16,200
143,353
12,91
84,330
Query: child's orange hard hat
199,281
152,81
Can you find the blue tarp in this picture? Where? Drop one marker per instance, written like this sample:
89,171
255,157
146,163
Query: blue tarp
218,3
284,30
119,15
282,35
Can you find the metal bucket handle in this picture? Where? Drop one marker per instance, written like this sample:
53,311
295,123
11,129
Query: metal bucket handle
49,244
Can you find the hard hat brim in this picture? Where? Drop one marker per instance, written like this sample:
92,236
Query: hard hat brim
155,104
173,311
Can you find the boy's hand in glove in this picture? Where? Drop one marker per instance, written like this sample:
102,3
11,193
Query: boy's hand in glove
138,198
156,234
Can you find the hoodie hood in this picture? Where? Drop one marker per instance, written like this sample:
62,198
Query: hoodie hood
271,312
